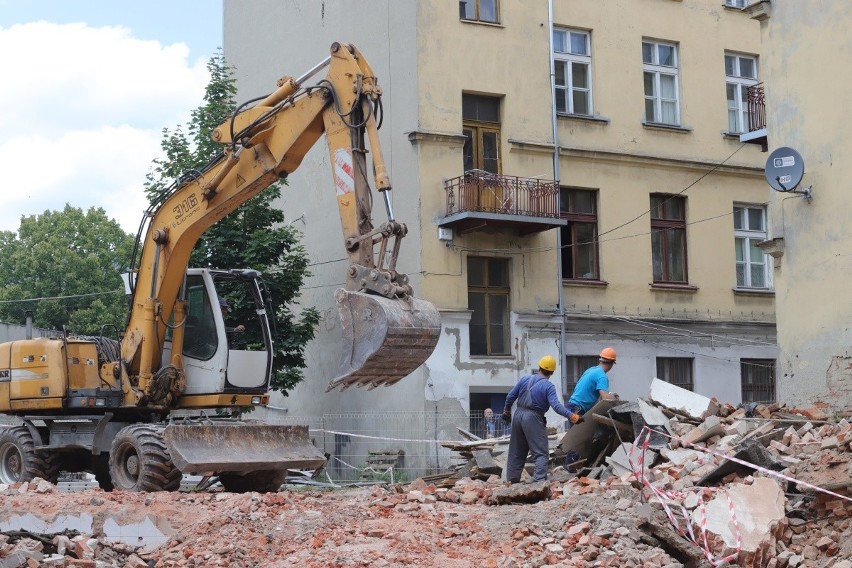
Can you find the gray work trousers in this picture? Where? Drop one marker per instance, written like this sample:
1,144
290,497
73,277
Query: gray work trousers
529,436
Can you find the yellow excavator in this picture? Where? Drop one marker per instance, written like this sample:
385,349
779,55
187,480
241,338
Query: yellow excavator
158,402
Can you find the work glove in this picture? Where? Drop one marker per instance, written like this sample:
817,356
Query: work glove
575,418
507,416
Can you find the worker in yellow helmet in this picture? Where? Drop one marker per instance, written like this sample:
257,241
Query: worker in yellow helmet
535,395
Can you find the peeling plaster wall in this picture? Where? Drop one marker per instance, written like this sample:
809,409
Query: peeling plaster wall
808,88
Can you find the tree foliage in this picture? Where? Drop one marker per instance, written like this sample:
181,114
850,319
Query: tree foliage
72,259
265,242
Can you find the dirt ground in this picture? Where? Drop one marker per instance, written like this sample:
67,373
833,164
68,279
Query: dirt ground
366,526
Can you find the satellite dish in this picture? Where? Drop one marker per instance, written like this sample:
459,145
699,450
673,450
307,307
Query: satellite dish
784,169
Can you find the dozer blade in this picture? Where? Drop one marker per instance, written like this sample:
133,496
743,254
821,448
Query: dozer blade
206,448
384,340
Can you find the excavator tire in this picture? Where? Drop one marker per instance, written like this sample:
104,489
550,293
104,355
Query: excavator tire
140,461
268,481
19,461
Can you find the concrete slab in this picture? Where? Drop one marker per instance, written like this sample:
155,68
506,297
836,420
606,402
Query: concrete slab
759,508
681,400
581,437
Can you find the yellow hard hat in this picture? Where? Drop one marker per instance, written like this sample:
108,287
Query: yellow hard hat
547,363
608,355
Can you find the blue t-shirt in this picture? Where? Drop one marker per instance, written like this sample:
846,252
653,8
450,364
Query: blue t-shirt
586,393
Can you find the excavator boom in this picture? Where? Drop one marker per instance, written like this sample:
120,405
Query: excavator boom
387,333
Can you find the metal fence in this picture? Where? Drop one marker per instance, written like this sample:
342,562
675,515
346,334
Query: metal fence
392,446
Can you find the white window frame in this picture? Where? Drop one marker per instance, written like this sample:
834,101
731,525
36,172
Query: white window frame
736,3
569,59
747,234
657,70
738,108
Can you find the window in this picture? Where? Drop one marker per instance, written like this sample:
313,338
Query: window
575,366
580,236
479,10
676,370
740,74
661,82
488,298
572,58
481,129
668,238
758,380
749,230
736,3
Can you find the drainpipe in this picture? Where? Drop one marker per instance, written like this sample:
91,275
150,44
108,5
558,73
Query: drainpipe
559,288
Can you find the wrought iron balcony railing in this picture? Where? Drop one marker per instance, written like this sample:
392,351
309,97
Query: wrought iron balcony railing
756,107
480,191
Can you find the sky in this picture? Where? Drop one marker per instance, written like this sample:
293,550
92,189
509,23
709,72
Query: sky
86,88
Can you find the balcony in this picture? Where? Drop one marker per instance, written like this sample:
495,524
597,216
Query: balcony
479,201
756,117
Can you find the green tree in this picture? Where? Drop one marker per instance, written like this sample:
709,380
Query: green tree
268,244
74,261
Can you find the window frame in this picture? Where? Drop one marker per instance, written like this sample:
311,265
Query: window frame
662,226
748,234
657,70
666,367
749,367
479,129
570,58
736,3
575,366
569,235
741,83
488,291
477,11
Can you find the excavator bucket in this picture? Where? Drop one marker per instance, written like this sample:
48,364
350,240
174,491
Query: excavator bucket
384,340
227,446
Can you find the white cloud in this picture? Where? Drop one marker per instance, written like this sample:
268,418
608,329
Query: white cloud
83,113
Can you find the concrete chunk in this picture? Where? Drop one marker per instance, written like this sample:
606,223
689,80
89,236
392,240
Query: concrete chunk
681,400
759,509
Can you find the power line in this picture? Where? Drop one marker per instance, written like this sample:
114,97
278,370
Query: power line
61,297
704,175
738,341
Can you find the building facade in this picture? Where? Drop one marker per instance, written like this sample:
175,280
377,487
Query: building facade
810,229
572,177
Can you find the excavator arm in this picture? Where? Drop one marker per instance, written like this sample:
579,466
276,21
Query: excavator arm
387,333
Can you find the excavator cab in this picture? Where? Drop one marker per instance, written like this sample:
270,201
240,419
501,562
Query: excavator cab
227,341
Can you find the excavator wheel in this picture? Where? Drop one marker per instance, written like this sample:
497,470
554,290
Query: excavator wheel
268,481
19,461
140,461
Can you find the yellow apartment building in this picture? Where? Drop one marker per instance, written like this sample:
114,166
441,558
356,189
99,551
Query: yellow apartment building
572,177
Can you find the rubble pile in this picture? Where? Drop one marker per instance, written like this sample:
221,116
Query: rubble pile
764,486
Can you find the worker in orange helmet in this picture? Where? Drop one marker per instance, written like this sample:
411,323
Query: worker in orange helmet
535,395
592,386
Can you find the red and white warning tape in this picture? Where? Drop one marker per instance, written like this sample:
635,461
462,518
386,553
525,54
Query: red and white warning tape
674,496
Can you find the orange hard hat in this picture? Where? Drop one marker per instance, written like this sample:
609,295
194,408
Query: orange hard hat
547,363
608,355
